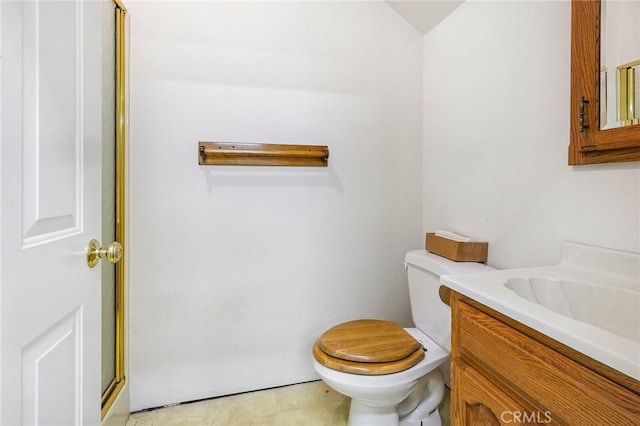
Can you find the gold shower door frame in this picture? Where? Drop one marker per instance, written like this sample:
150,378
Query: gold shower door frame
116,385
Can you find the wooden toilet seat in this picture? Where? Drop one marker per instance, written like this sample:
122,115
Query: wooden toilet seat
368,347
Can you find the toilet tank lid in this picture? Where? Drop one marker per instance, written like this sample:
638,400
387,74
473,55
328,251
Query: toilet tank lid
439,265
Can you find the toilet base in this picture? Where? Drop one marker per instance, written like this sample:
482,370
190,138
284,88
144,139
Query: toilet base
363,415
420,408
366,415
433,419
429,393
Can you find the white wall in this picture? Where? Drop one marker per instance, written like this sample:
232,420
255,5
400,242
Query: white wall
496,131
236,270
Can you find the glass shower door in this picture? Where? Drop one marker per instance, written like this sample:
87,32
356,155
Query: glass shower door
113,178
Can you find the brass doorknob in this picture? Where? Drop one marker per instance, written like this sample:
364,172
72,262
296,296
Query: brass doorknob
113,252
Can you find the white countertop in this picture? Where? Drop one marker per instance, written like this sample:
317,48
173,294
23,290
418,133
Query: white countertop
619,270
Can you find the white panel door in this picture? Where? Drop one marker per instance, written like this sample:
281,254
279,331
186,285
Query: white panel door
50,165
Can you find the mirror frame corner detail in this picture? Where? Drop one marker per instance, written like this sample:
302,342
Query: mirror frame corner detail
588,143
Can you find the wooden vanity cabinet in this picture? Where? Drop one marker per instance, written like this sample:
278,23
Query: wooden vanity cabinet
504,373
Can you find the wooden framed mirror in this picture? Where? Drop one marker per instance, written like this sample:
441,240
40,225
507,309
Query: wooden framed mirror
592,143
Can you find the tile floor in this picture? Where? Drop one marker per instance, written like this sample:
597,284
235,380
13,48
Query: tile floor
309,404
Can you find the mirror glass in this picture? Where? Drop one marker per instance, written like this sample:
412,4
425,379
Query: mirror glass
619,63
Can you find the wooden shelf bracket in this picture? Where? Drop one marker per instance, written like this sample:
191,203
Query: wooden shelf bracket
261,154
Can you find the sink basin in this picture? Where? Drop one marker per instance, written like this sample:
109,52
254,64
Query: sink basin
606,307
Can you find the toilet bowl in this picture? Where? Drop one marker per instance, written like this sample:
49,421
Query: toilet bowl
375,398
392,374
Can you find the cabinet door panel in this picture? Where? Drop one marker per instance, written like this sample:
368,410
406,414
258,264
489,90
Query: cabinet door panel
477,401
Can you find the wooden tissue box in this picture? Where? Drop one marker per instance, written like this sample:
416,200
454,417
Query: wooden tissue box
473,251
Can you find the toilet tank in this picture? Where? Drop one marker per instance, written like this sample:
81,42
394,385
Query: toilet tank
429,313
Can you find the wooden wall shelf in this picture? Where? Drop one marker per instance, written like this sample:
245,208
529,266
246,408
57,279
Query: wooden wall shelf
261,154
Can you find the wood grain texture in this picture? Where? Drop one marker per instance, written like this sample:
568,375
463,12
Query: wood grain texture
472,251
533,375
366,368
368,340
445,295
593,145
482,402
262,154
368,347
582,359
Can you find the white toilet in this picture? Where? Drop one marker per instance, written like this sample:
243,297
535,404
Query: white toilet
391,374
